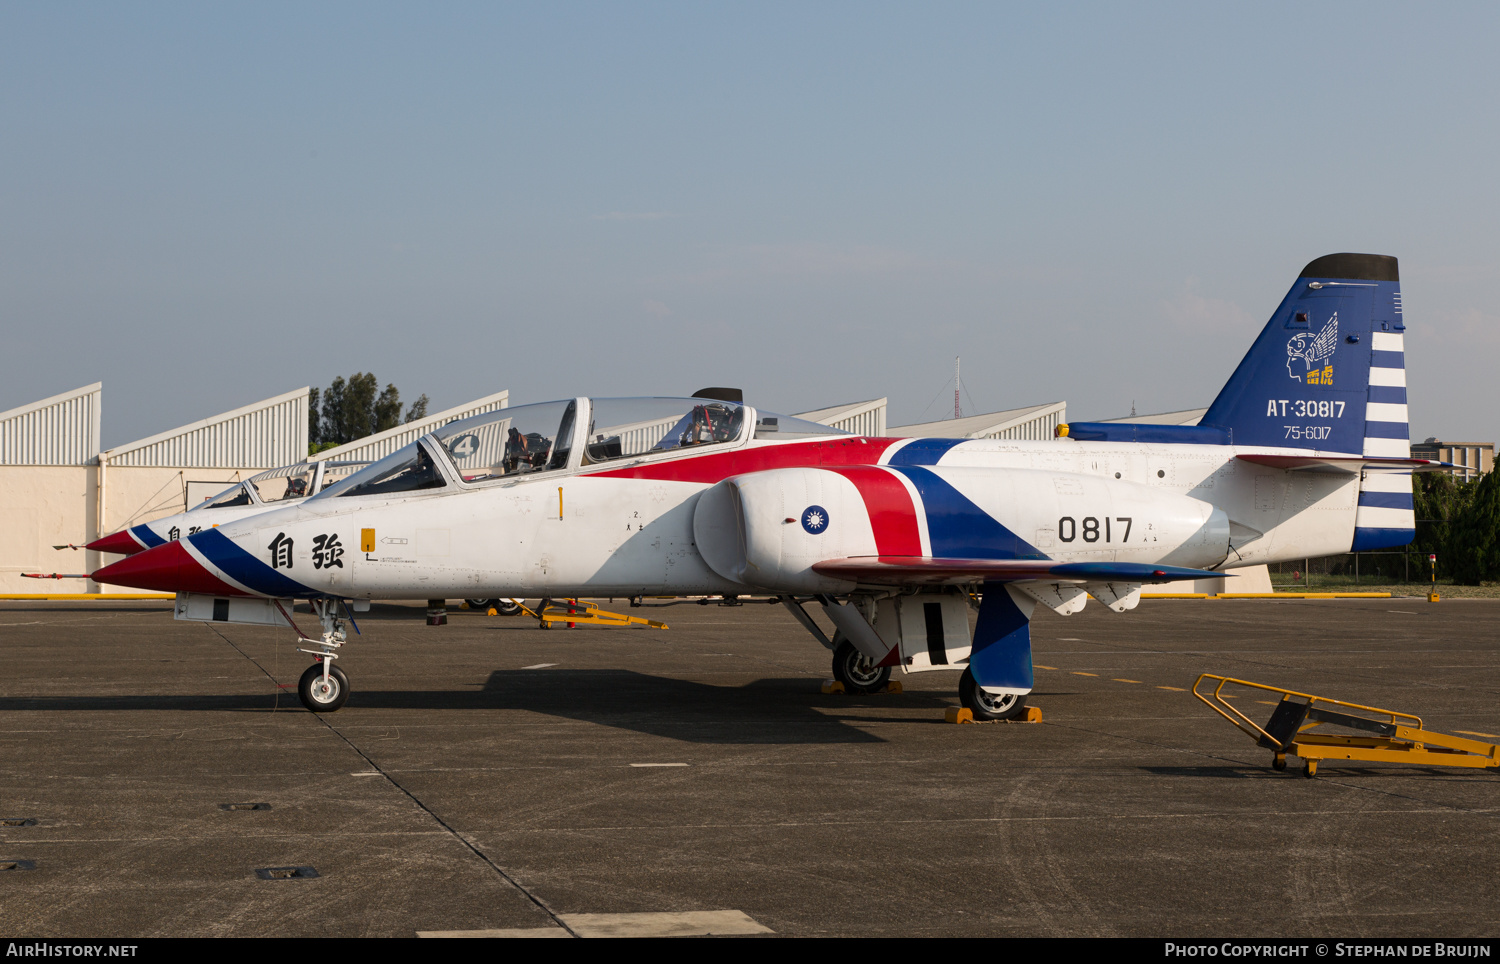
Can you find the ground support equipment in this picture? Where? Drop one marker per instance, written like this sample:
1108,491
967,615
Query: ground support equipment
1385,736
586,613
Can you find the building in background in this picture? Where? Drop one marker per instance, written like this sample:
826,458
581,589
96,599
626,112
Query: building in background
1473,458
858,418
49,452
1188,416
1032,422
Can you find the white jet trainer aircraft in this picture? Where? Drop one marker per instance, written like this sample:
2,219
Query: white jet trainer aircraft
1303,453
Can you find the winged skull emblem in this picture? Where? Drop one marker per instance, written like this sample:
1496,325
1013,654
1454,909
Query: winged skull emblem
1312,351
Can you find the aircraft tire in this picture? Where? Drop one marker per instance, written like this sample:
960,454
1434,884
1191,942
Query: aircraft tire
507,608
320,702
855,670
983,705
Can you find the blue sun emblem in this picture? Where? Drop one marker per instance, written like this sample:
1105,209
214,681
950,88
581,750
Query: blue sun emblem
815,519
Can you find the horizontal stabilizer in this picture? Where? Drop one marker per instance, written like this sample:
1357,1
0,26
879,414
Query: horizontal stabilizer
926,570
1351,464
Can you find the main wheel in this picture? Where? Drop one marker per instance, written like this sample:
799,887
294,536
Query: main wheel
318,696
507,607
988,706
856,671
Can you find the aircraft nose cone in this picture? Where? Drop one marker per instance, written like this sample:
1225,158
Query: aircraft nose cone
164,568
121,543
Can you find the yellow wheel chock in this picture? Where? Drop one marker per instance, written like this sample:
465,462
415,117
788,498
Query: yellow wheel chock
1382,735
585,613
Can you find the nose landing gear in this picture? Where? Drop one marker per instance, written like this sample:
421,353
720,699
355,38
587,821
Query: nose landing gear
323,690
323,687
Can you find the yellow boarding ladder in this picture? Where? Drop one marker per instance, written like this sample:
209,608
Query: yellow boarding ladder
1384,735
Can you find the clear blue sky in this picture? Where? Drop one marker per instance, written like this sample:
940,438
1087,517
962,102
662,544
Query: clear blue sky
203,205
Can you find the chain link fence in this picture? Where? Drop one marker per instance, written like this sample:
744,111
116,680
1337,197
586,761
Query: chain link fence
1378,568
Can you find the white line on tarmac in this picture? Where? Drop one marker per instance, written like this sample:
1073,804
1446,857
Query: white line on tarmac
658,764
539,666
682,924
699,923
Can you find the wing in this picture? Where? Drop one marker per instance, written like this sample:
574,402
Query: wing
926,570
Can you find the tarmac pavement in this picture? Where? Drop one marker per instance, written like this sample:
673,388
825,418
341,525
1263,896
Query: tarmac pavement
486,776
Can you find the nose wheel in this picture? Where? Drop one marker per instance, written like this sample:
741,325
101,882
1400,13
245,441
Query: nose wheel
323,692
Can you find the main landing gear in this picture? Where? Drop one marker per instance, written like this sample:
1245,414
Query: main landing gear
324,688
988,706
856,671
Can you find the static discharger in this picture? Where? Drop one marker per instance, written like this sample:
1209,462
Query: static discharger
1385,736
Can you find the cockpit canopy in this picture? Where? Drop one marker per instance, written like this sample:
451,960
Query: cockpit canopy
285,484
511,442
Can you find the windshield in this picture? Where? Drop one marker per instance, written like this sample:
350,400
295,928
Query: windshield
410,469
232,496
511,441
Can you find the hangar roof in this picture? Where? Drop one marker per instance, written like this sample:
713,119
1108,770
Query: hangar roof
1188,416
61,430
1031,422
262,434
861,418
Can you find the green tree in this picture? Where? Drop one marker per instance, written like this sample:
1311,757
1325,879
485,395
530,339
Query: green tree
354,408
1475,540
314,421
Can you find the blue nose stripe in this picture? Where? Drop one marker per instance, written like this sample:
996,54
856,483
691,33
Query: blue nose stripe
244,568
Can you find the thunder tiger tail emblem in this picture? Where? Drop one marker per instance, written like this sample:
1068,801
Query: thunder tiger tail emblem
1312,352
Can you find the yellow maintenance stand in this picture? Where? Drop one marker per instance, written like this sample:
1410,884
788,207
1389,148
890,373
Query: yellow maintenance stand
1382,735
574,613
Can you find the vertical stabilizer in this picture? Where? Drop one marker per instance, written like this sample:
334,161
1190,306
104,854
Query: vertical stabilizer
1328,373
1310,380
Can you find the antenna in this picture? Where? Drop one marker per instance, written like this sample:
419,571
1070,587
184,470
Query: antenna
957,412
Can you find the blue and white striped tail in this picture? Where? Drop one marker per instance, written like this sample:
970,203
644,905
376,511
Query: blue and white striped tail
1386,516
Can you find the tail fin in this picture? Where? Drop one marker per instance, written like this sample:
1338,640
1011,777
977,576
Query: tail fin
1328,373
1328,370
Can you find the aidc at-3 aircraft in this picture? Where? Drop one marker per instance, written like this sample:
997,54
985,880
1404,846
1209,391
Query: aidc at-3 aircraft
1304,452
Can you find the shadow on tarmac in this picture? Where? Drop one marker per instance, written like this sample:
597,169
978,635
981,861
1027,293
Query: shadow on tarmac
785,710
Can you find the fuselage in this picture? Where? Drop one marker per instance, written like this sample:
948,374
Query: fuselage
627,527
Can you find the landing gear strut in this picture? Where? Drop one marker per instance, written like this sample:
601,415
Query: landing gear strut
324,688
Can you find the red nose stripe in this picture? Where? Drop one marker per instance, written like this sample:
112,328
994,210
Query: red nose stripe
165,568
121,543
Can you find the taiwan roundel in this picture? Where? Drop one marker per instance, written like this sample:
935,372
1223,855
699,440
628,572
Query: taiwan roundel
815,519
